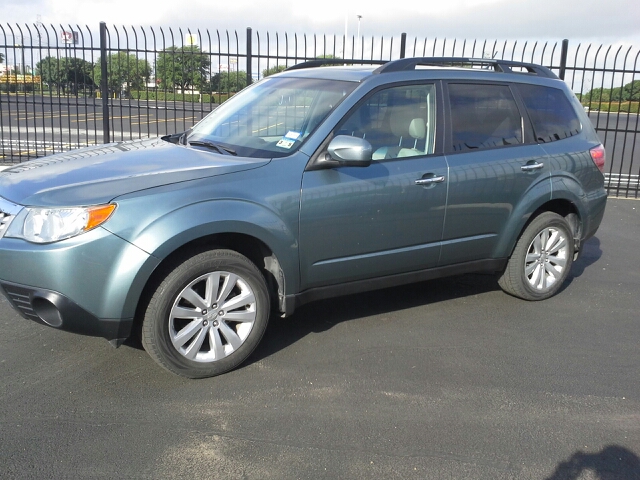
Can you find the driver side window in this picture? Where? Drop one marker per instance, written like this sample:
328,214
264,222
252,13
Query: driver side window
398,122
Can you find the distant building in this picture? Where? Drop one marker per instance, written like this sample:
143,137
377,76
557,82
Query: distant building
5,68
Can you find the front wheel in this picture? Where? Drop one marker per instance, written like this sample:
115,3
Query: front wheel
541,259
208,315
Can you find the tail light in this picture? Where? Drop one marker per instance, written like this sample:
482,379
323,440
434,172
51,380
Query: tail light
598,157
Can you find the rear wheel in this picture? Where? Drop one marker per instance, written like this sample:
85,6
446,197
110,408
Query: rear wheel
208,315
541,259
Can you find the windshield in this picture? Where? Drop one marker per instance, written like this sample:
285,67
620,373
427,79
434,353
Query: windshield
271,118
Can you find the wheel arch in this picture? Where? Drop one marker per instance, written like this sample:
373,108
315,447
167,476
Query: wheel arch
249,228
562,206
256,250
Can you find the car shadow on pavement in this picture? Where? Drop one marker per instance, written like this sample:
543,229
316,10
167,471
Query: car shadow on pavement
323,315
591,253
612,463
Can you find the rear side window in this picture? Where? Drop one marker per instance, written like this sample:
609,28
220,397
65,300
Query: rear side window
483,116
551,113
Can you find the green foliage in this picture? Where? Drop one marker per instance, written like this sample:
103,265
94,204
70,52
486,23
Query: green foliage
125,72
631,91
182,67
1,57
65,73
613,107
179,97
273,70
628,93
79,73
52,72
229,81
329,57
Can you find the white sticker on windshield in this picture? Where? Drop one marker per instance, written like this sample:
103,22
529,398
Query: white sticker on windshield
284,143
292,135
288,140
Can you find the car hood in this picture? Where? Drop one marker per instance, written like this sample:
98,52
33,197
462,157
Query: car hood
94,175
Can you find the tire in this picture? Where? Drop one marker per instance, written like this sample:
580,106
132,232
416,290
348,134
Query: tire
541,259
207,316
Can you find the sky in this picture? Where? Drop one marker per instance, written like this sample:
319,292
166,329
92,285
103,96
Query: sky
598,21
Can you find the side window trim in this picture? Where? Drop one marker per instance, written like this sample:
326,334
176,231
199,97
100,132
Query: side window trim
528,134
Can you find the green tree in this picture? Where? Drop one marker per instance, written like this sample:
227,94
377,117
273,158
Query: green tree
1,57
273,70
597,95
229,81
65,73
79,73
329,57
628,93
631,91
182,67
53,72
125,72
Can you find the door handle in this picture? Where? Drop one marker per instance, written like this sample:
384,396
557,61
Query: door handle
530,167
430,181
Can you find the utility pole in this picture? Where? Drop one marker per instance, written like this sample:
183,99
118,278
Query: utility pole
359,42
39,25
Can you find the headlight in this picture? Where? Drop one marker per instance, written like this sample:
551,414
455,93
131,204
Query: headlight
46,225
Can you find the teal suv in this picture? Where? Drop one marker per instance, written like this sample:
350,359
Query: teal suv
309,184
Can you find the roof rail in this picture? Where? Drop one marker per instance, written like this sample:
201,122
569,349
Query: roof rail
319,62
504,66
403,64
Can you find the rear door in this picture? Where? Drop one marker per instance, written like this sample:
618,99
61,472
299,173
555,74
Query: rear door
493,160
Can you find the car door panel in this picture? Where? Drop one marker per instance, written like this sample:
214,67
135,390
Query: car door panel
358,223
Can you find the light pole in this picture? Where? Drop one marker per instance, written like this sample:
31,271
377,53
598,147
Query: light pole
359,41
39,25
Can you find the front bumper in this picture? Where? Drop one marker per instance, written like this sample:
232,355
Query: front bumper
55,310
89,284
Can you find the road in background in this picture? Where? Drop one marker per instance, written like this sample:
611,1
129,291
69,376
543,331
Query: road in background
34,126
447,379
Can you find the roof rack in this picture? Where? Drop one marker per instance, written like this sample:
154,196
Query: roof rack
503,66
403,64
319,62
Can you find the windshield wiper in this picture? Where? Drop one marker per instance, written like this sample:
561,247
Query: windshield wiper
215,146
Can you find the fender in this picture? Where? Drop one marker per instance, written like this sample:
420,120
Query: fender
590,205
171,231
537,195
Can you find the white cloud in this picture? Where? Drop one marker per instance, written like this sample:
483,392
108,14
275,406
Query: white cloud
541,19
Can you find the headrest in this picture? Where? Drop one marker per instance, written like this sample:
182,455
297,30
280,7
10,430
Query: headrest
417,128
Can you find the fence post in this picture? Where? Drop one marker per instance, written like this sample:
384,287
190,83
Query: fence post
563,58
403,45
249,57
104,84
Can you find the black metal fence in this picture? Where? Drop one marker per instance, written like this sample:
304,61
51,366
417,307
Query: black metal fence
68,86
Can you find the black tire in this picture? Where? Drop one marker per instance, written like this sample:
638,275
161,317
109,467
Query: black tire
194,336
536,271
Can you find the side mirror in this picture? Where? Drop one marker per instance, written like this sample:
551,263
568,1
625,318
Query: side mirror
350,151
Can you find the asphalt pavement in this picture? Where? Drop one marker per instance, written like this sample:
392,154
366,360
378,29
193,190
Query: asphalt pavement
448,379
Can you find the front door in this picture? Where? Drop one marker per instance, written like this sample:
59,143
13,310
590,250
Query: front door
387,218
